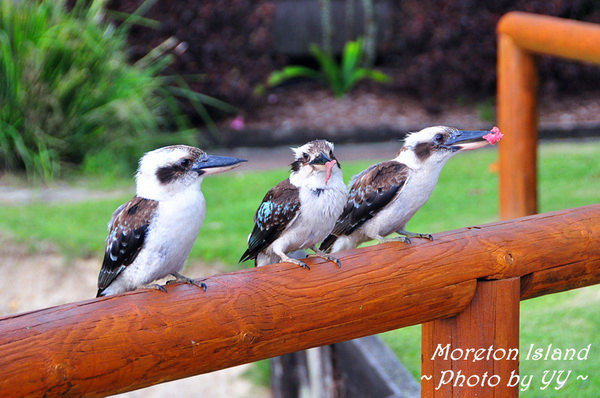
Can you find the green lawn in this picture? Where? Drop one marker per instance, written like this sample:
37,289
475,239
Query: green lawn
565,320
466,195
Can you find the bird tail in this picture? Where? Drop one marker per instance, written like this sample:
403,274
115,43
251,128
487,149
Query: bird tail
99,294
248,255
328,242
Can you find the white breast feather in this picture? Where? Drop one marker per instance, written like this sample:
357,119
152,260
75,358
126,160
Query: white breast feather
317,216
168,243
413,195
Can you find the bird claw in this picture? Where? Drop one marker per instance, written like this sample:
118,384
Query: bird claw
403,239
338,262
297,262
185,279
414,235
328,257
156,286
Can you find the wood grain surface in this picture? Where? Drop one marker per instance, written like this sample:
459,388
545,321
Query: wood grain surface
521,37
120,343
490,320
560,37
518,121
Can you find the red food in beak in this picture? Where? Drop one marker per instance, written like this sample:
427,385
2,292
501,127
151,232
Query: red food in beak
493,137
328,166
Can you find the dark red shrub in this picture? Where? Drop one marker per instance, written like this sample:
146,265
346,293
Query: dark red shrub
439,50
228,42
448,49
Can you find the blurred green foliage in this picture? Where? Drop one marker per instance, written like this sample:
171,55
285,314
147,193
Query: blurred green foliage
68,95
486,110
341,77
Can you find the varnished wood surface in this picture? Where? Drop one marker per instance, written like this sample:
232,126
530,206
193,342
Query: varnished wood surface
120,343
577,274
521,36
561,37
490,320
518,121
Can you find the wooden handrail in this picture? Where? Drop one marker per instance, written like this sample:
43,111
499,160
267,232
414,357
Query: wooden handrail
120,343
561,37
520,37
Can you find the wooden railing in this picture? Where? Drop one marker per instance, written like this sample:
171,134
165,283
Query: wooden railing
465,286
120,343
521,36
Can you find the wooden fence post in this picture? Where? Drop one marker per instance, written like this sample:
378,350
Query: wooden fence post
520,37
491,320
518,119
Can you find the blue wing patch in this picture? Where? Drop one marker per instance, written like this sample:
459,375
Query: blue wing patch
264,213
278,208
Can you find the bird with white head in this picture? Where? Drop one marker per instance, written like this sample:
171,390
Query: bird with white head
151,236
299,212
384,197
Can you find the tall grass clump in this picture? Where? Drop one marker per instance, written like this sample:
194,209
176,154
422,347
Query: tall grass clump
68,95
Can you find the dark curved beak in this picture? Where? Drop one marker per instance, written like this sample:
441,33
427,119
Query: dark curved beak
321,159
213,164
459,139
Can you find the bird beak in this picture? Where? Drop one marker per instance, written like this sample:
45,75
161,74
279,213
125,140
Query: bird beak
467,140
321,159
213,164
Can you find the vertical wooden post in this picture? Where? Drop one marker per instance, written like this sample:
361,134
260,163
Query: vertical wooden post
491,320
518,119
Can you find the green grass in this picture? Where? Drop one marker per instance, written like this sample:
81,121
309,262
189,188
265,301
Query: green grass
466,195
565,320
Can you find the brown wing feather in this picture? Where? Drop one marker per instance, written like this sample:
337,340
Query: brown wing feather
127,233
371,191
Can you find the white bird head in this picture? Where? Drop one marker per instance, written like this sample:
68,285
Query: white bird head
439,143
315,159
170,170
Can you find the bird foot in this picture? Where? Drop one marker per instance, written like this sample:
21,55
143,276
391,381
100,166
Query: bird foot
395,239
294,261
328,257
414,234
156,286
185,279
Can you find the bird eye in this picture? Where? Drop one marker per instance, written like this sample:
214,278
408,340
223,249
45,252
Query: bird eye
185,163
305,156
439,138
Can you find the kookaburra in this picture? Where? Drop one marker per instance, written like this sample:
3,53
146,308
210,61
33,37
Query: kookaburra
384,197
151,236
299,212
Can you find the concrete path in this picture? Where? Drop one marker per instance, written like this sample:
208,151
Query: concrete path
281,156
258,159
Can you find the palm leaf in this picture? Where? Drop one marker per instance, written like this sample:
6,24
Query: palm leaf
292,72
